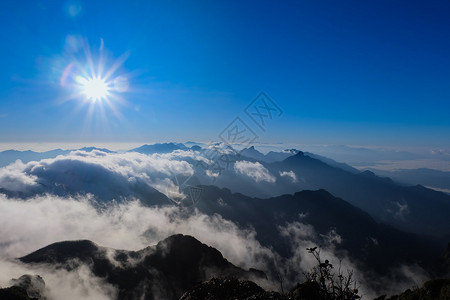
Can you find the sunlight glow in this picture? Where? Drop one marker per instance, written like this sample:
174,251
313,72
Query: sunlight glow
95,88
97,85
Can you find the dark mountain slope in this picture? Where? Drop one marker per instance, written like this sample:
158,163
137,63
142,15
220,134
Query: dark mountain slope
376,245
226,289
414,209
421,211
67,177
26,287
14,293
436,289
165,271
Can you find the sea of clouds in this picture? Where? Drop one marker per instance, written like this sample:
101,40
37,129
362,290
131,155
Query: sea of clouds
58,199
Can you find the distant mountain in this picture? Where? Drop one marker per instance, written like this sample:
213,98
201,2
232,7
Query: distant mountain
90,149
333,163
159,148
272,156
252,153
69,177
164,271
191,144
426,177
416,209
362,156
196,148
9,156
75,175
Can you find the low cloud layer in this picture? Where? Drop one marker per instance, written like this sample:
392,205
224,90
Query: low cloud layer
13,178
255,170
26,226
107,176
62,204
77,284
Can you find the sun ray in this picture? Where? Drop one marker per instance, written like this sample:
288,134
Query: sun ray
97,84
116,65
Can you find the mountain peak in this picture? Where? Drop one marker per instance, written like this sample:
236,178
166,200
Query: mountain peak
186,249
299,153
177,263
159,148
178,240
367,173
90,149
62,251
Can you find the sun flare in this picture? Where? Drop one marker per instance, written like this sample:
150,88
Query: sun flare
95,88
96,84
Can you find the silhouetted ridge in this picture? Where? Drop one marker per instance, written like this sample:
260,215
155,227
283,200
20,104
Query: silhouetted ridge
183,252
383,246
414,209
185,247
62,251
172,266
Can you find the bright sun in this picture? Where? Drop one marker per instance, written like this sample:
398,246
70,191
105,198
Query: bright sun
95,88
96,84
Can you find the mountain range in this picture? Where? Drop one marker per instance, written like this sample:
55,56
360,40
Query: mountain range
290,199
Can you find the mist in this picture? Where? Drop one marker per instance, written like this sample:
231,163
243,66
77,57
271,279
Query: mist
26,226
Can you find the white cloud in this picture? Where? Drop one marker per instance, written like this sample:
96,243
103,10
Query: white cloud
290,174
439,152
255,170
14,179
107,176
302,236
28,225
212,174
79,283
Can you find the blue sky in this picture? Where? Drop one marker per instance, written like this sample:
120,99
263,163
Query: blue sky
343,72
